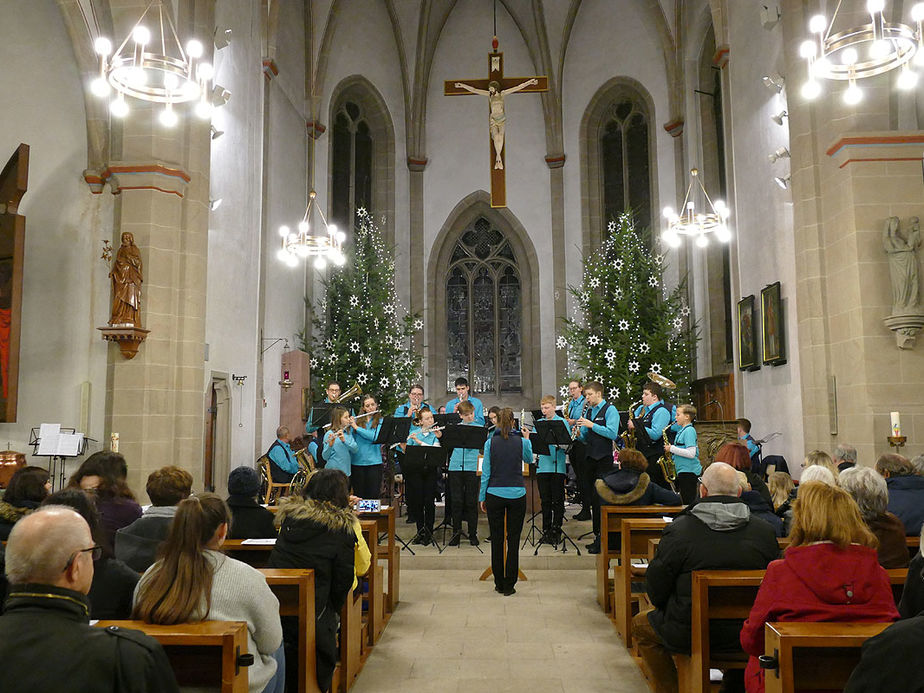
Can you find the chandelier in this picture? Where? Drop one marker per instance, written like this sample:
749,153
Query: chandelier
862,51
303,244
712,217
154,67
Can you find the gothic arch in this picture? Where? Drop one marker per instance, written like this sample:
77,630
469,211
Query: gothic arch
478,204
592,221
359,90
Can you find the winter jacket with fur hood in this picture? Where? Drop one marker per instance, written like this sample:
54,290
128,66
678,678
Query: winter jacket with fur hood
630,487
816,582
11,514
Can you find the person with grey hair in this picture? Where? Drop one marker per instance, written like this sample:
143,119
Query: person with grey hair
870,492
918,464
906,491
818,473
717,532
49,564
845,456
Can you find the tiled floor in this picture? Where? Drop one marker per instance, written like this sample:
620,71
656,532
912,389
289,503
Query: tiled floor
452,632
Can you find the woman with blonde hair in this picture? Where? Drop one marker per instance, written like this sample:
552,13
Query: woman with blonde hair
830,572
194,581
781,487
821,459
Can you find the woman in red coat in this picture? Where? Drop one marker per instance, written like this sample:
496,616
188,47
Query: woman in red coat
830,573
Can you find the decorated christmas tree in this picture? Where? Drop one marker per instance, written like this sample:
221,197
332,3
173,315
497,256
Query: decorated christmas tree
624,325
361,333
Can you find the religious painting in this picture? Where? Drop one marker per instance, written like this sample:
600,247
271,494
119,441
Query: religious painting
773,337
747,335
13,184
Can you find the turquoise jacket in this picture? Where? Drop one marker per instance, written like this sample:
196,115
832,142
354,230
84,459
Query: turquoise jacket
686,439
340,455
367,453
554,463
479,408
464,459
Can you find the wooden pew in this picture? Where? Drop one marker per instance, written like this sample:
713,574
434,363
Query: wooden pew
634,538
375,596
611,517
803,656
256,555
207,654
295,591
351,626
389,554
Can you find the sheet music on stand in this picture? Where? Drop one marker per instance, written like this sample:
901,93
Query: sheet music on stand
57,443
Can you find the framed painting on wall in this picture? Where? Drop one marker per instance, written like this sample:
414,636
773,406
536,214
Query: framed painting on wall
747,335
773,336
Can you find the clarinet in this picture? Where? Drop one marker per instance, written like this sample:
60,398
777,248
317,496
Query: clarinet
575,430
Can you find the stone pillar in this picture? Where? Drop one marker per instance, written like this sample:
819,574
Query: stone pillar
556,163
416,166
850,173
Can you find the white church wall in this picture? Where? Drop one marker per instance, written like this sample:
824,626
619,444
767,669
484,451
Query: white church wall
458,146
232,311
607,43
763,223
65,284
290,50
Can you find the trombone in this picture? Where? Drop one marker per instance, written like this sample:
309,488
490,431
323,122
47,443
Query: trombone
349,394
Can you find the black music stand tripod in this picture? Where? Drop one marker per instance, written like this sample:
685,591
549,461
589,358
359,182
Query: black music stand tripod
425,460
553,433
393,431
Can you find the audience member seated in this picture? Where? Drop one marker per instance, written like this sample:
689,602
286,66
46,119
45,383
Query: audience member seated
870,492
631,485
887,660
283,465
758,505
137,544
781,488
819,458
736,455
906,491
27,488
912,602
46,641
716,533
193,581
249,519
918,464
316,532
103,474
818,473
845,456
113,582
830,572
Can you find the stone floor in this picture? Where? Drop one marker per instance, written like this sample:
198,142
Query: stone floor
452,632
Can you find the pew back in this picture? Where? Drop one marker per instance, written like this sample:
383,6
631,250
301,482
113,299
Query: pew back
295,591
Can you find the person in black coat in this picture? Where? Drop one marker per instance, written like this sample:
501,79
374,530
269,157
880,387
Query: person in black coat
912,601
317,532
887,660
715,533
46,641
27,488
906,491
249,519
758,505
631,485
113,582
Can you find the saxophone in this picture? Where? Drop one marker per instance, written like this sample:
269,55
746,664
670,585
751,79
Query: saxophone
576,429
628,438
666,462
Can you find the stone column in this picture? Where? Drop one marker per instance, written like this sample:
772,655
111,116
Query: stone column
556,163
416,166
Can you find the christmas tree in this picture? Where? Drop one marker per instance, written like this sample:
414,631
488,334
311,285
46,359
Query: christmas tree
625,327
361,332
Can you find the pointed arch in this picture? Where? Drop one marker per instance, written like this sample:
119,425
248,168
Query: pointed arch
471,208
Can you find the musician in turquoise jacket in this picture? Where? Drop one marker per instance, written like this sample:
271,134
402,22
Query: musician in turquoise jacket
550,477
367,460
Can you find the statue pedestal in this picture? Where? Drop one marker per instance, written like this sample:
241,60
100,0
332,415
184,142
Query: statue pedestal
905,326
128,337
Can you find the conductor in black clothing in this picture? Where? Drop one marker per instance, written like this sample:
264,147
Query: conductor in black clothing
249,519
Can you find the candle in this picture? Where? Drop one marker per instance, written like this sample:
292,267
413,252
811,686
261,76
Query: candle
896,425
114,442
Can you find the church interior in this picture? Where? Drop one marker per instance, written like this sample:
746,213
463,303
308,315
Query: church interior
806,305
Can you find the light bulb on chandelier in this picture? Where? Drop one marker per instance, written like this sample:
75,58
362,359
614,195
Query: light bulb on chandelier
712,218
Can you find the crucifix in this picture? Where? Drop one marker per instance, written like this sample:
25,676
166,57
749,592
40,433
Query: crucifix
496,87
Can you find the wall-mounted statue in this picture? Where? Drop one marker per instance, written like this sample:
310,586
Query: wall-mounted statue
907,316
126,278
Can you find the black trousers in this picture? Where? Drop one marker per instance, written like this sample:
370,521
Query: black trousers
463,495
367,481
513,511
585,481
421,498
687,486
552,494
599,469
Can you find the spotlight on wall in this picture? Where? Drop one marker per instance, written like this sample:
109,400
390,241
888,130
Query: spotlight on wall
781,153
783,182
778,117
770,15
214,203
216,133
222,38
774,82
220,96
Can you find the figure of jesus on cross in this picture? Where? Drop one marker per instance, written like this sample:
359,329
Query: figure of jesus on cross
496,87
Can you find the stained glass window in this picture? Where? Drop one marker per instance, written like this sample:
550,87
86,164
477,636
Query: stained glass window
626,163
351,165
484,312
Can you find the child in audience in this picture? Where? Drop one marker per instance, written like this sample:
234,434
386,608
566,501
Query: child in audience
830,572
550,477
463,483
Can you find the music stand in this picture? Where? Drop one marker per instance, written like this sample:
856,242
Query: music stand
320,414
463,437
394,430
59,456
553,433
450,419
422,459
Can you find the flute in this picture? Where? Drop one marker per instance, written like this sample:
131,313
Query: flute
355,417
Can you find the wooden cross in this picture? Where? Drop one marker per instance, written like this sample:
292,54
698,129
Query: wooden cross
497,118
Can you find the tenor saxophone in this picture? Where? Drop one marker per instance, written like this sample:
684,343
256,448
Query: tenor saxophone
666,462
628,438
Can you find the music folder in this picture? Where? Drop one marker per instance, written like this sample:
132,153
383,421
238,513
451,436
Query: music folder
447,419
394,430
320,414
464,436
421,458
551,432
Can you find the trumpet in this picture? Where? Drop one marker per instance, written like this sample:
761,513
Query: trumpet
666,462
